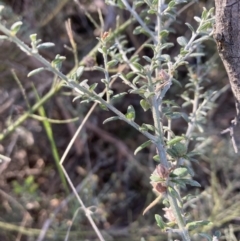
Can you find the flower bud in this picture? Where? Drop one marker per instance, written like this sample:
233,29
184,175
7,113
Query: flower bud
162,171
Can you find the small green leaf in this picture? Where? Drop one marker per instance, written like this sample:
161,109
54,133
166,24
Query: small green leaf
190,27
102,106
144,145
171,4
137,30
155,178
201,40
151,46
136,79
149,94
15,27
172,153
100,69
160,222
33,37
182,41
149,60
79,71
130,75
204,27
130,113
120,95
185,117
173,193
180,172
149,127
166,46
164,33
183,52
204,14
134,58
92,87
35,71
175,140
173,115
138,3
190,182
112,63
138,91
137,66
113,118
197,19
197,55
152,11
3,37
29,180
145,104
156,158
193,225
45,45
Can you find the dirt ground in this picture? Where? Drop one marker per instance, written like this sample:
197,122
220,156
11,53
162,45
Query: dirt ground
34,202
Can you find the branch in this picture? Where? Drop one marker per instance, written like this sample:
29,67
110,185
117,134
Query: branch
227,36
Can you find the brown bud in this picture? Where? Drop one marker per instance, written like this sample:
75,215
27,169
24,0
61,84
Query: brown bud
162,171
163,75
158,187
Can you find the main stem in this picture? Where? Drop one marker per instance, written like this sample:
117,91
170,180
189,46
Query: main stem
157,116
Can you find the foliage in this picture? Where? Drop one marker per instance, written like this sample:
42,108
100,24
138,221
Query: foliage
151,78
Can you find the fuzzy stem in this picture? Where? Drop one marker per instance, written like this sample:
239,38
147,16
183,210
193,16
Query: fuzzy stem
179,218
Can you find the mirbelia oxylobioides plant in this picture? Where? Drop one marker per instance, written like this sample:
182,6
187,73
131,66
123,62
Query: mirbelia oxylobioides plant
151,81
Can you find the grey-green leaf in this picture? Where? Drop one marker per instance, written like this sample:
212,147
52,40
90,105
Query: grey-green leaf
45,45
113,118
145,104
182,41
144,145
35,71
160,221
15,27
191,182
130,113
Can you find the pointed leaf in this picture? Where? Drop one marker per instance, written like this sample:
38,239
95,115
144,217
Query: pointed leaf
190,182
197,19
182,41
190,27
180,172
144,145
145,104
156,158
193,225
130,113
160,222
112,63
79,71
164,33
35,71
119,95
93,86
15,27
175,140
173,193
113,118
45,45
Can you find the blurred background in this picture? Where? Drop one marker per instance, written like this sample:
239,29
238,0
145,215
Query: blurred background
34,201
